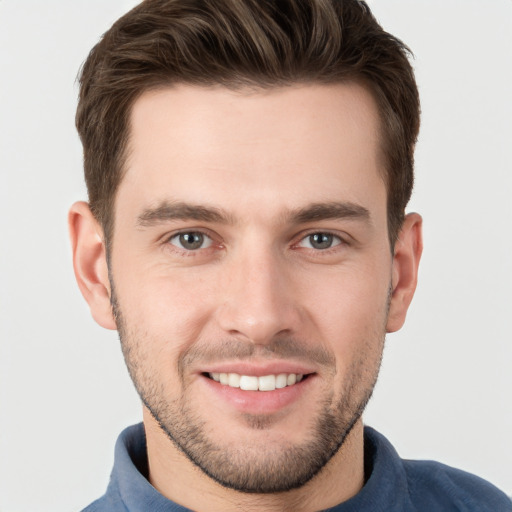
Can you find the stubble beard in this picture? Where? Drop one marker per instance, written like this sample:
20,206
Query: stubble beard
275,467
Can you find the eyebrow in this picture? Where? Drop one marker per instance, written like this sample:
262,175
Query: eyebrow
331,210
169,211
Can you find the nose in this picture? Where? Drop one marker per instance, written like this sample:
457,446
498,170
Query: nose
258,298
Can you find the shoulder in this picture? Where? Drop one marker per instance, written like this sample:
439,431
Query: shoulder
400,484
445,488
131,444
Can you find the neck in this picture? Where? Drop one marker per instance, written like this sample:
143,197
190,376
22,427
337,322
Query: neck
179,480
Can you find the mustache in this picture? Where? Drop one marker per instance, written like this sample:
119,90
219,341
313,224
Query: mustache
277,348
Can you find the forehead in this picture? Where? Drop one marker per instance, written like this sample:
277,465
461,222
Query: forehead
284,147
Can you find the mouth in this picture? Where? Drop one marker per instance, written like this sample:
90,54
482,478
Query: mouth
260,389
257,383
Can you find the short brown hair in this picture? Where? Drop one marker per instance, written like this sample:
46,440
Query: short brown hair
237,43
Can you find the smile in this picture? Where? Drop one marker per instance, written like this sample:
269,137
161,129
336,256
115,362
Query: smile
253,383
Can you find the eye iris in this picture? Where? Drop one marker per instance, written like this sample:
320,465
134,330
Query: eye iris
191,240
321,240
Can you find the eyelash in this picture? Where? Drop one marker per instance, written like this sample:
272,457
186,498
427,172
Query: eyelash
192,252
338,240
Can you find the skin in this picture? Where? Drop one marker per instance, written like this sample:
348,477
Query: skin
258,293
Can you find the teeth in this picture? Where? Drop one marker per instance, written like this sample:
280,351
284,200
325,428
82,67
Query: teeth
252,383
249,383
267,383
281,380
234,380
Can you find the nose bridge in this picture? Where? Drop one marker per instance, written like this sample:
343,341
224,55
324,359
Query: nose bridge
257,300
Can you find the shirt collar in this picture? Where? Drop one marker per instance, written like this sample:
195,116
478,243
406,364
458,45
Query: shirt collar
385,488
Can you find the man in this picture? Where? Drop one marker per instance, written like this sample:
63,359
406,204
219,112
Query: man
248,167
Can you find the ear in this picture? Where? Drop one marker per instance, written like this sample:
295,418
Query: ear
90,263
406,260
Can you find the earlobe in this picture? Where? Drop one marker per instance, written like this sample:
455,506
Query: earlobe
90,263
408,249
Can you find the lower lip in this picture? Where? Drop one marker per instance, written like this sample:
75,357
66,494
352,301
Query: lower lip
260,402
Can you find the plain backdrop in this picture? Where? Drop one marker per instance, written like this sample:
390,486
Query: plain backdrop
445,387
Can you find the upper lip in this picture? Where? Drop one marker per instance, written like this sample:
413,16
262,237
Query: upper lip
259,370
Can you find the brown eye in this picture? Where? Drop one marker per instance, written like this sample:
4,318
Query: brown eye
191,241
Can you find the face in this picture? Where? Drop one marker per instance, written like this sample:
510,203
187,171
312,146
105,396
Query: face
251,274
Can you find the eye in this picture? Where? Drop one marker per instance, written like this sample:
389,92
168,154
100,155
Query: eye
320,241
191,240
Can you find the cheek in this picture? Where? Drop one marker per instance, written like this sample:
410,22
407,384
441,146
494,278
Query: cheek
351,312
356,293
166,310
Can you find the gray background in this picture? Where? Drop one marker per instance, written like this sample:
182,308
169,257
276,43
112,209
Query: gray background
445,386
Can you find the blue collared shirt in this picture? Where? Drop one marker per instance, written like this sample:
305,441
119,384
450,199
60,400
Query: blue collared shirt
392,485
